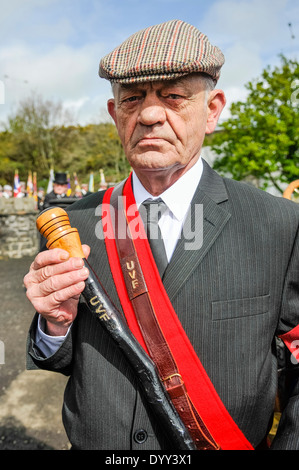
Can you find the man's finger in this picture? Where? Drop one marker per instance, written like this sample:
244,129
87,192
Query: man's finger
60,281
86,250
54,256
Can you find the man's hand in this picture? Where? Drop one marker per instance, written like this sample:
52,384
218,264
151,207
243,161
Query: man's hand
54,284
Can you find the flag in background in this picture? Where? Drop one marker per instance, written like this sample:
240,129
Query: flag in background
35,188
103,181
69,188
76,183
29,189
103,184
51,179
17,186
34,185
91,183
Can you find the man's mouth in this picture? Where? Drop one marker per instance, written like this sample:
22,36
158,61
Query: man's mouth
148,140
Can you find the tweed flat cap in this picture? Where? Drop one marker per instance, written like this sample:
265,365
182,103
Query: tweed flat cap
162,52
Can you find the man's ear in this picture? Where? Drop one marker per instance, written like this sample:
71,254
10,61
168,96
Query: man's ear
111,109
216,103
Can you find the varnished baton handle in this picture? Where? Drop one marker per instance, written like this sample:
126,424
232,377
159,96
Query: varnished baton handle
54,225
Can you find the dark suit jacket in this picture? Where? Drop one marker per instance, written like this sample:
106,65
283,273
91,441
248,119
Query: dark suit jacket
50,197
232,296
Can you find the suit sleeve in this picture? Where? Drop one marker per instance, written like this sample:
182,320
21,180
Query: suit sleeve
60,361
287,436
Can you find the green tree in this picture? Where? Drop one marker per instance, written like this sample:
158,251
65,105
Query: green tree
7,164
39,136
260,139
99,147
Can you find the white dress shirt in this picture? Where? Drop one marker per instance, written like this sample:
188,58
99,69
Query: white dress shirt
177,199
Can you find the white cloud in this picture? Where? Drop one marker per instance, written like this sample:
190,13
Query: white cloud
63,74
15,16
233,94
257,21
58,55
57,71
242,63
13,7
251,34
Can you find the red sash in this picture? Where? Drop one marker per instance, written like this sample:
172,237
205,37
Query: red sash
209,405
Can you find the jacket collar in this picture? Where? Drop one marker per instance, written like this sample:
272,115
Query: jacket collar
205,222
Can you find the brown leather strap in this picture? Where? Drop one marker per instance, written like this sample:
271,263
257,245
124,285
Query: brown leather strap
152,334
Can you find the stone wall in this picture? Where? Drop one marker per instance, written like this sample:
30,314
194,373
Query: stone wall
18,233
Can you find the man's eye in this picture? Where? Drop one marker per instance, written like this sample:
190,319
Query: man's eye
131,99
173,96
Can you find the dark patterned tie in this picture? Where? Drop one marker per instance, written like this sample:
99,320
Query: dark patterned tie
154,210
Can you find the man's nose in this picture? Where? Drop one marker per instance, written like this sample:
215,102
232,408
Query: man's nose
152,111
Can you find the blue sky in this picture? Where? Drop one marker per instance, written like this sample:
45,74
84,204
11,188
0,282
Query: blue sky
53,47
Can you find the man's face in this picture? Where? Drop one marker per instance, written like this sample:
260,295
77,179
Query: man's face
59,188
161,124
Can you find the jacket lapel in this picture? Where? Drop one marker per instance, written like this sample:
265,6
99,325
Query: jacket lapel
211,192
205,222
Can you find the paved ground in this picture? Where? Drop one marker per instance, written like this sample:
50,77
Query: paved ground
30,401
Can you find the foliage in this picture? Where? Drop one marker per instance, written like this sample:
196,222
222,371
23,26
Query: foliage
39,136
100,147
260,139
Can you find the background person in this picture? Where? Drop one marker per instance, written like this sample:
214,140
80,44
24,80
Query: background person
60,187
7,191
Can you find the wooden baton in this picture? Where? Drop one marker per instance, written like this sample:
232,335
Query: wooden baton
53,223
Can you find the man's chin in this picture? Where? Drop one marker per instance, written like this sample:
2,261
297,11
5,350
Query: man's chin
158,168
153,161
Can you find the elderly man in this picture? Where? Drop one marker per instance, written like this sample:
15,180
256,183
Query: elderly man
225,287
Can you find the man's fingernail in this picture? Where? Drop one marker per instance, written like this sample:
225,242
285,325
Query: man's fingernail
84,272
78,262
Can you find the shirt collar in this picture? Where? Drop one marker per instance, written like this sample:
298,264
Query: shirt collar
186,185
